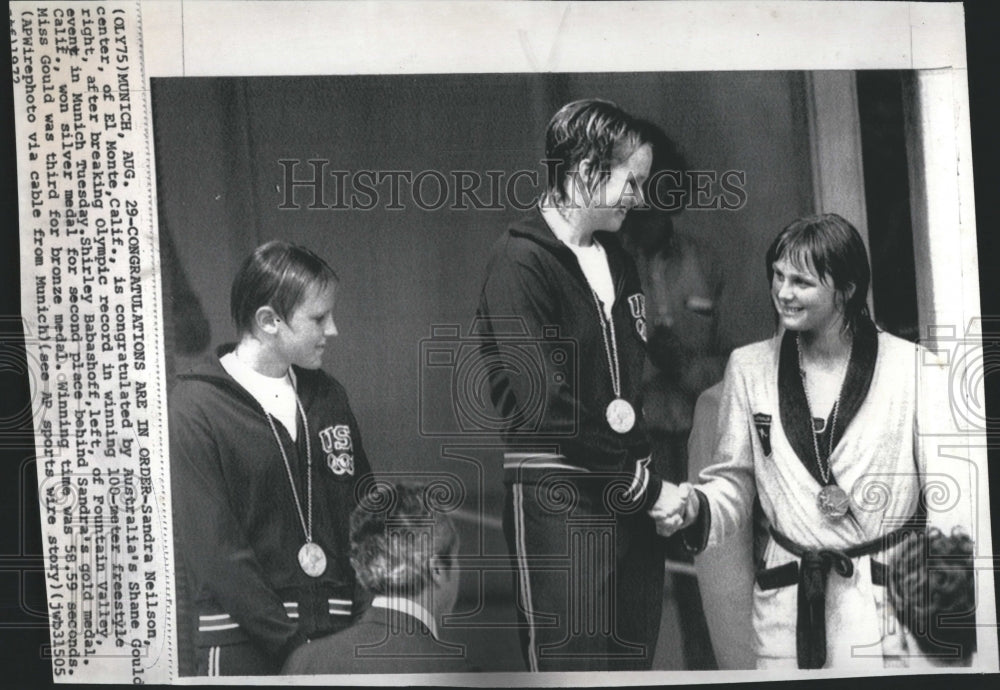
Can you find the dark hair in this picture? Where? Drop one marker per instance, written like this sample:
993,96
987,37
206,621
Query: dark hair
833,248
590,129
396,538
277,274
932,589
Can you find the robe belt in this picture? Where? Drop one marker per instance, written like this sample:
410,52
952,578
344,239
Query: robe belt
814,567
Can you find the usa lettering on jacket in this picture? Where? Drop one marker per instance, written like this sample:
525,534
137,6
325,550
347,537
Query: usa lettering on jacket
339,448
637,306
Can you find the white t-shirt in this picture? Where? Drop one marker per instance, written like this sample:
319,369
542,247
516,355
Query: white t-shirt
593,260
275,395
594,263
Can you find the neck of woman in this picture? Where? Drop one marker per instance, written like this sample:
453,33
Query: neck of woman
826,347
255,354
563,217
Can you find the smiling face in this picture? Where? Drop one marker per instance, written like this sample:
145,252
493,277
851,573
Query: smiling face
804,301
302,338
614,195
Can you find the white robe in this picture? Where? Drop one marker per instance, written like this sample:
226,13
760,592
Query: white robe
874,461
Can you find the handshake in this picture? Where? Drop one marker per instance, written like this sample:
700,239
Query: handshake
675,509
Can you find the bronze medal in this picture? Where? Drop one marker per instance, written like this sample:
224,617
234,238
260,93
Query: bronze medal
833,502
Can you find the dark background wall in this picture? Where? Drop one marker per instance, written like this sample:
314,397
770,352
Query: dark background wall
220,185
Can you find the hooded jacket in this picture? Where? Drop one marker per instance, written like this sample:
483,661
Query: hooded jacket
238,529
536,304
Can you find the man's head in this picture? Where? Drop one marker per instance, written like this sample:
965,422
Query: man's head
283,295
597,158
933,592
401,547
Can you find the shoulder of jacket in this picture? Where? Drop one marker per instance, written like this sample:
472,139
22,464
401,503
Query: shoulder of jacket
907,356
194,390
756,353
892,343
321,381
518,247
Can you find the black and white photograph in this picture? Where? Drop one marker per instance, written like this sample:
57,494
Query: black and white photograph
501,344
491,268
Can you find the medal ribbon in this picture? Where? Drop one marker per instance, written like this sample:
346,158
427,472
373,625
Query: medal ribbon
824,472
305,519
610,349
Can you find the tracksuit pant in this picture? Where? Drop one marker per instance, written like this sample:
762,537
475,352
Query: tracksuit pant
588,576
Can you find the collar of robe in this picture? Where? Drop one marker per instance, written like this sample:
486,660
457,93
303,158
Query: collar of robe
794,407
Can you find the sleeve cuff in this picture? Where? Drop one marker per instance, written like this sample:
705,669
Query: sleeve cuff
695,536
653,488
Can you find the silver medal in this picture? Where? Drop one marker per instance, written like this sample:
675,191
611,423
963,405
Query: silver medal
312,559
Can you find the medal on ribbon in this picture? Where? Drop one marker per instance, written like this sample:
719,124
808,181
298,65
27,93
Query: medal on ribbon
312,559
619,412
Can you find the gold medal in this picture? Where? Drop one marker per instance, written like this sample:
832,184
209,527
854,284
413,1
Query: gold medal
620,415
619,412
312,559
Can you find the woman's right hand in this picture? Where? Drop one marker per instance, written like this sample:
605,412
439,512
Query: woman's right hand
675,509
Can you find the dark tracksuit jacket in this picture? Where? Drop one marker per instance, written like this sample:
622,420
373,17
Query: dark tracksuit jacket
238,531
534,282
557,429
